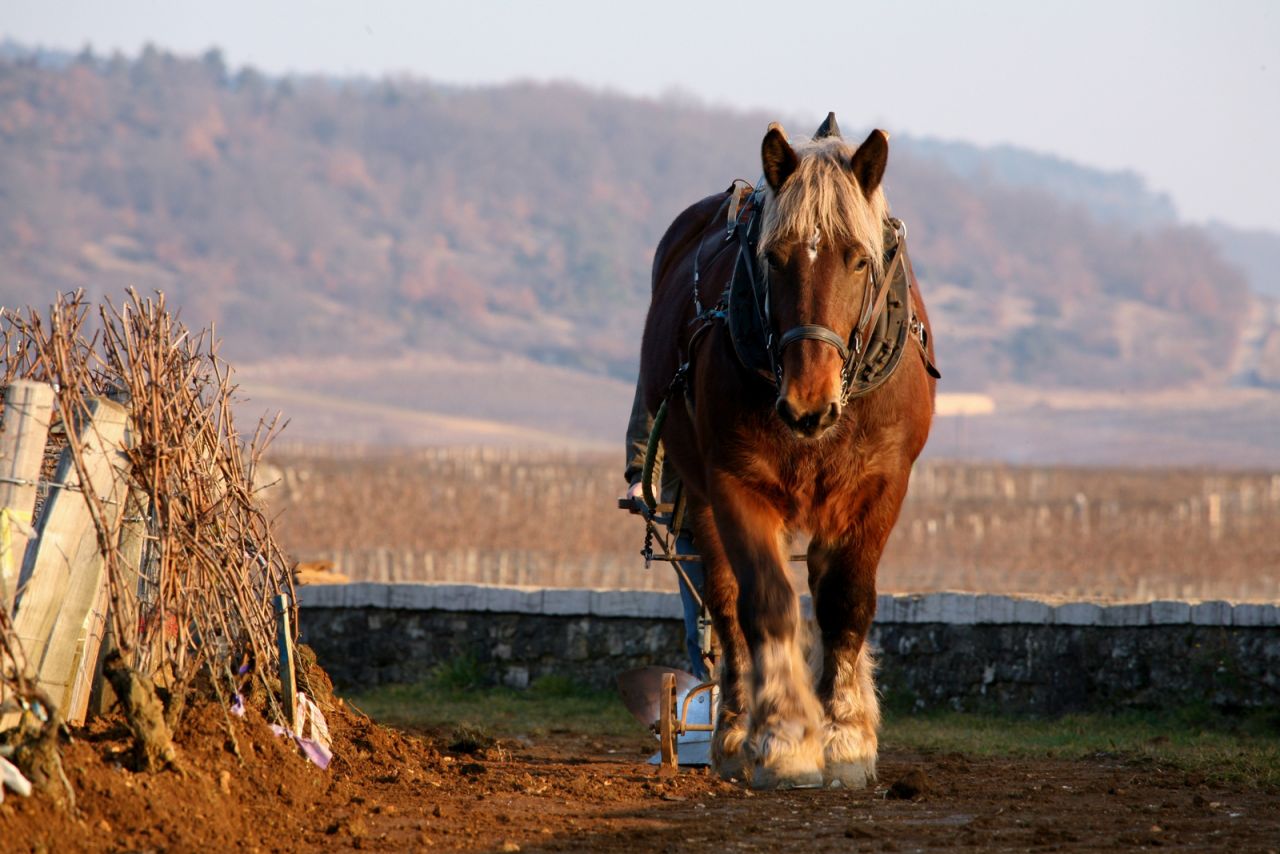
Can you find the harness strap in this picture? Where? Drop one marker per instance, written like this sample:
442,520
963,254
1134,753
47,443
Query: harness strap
759,302
882,291
875,308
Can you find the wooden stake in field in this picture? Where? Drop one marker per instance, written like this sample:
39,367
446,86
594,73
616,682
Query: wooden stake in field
1215,517
288,678
28,409
57,620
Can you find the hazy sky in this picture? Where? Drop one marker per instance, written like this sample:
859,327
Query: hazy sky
1185,93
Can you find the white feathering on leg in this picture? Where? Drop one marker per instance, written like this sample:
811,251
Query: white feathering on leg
785,730
852,723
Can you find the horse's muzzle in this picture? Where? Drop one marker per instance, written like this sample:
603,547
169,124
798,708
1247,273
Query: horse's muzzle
810,424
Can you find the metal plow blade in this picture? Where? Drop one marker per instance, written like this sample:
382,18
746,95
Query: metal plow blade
641,691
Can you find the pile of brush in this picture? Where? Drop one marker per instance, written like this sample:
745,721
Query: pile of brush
192,570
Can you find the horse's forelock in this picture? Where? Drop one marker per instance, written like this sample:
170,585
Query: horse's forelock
823,194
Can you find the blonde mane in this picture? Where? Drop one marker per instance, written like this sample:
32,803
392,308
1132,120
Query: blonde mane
823,194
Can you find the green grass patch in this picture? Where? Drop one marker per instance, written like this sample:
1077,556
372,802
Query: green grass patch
1229,749
1241,750
455,697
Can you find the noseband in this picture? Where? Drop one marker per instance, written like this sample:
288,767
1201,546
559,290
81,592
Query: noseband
819,333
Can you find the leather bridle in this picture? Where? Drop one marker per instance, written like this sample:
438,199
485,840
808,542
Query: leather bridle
853,348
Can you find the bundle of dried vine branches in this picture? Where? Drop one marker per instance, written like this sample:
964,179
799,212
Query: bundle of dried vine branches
199,599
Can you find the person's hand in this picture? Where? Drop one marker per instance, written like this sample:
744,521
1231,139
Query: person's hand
633,499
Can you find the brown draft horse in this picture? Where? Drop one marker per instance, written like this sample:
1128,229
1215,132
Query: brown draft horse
763,458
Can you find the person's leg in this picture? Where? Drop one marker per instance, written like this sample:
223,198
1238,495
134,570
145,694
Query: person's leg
693,570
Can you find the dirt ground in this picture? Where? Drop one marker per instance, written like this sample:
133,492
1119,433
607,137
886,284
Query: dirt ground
388,790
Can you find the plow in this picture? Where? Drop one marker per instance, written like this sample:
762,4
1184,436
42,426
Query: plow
675,705
678,708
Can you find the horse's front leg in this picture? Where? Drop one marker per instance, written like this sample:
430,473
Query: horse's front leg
784,735
842,578
728,754
844,602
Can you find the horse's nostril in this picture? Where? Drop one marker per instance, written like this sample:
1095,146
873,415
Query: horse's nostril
809,423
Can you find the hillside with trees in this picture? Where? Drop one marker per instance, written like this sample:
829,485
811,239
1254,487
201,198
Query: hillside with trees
308,217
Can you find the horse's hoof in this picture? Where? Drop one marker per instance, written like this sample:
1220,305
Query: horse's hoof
849,775
849,756
782,765
729,756
730,768
768,779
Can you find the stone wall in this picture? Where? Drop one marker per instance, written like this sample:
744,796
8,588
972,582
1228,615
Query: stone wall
947,649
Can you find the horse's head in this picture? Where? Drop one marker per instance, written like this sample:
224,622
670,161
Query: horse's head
822,243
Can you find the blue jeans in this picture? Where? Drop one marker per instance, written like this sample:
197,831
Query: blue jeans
693,569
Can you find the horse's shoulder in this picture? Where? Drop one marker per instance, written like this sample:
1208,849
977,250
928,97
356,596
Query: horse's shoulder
690,223
698,212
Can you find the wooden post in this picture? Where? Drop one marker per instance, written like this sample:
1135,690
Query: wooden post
288,680
89,650
95,696
92,694
28,408
1215,516
101,695
65,574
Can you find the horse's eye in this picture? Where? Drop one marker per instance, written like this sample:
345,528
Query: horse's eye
772,260
860,266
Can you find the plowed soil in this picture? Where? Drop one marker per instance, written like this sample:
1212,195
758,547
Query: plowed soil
388,790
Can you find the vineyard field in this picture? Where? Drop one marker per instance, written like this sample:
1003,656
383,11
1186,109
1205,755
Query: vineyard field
507,516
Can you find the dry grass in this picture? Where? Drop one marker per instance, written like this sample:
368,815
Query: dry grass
491,515
528,517
1115,533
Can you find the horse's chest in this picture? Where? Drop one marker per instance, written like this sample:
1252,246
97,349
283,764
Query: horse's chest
820,491
818,488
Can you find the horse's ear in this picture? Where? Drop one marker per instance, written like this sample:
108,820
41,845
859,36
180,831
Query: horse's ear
777,157
869,160
828,127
